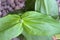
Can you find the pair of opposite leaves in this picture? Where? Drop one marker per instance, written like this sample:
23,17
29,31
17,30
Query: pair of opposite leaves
32,22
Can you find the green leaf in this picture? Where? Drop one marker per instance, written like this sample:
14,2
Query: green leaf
12,32
49,7
31,37
7,21
38,5
39,24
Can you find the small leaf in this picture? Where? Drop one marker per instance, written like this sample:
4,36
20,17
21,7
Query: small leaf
39,24
8,21
12,32
49,7
31,37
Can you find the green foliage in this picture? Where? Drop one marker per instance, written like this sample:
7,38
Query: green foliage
9,27
34,25
39,24
47,7
12,32
8,21
32,37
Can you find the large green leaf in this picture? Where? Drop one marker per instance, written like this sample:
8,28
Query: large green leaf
12,32
8,21
49,7
31,37
39,24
